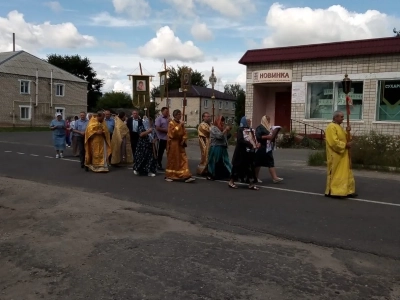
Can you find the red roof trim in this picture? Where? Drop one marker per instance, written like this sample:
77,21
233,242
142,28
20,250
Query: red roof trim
323,51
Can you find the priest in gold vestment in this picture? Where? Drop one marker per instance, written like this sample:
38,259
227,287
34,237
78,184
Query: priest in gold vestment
121,143
177,162
97,144
204,143
340,180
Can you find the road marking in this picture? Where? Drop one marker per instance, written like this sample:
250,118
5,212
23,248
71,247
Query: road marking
70,159
49,157
7,151
309,193
20,153
34,155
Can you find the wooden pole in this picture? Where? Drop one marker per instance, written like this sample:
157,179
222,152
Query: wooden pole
140,66
166,82
348,135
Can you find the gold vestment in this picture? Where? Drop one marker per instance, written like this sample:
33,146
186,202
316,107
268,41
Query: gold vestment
204,143
121,144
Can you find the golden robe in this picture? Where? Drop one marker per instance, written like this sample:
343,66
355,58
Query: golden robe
121,144
340,179
97,147
177,162
204,143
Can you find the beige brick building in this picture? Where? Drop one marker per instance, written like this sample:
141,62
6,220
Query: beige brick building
32,91
199,101
302,85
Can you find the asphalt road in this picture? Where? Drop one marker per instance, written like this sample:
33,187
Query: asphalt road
294,209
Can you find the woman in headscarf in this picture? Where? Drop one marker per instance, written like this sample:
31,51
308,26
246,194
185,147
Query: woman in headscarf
121,142
58,126
219,166
264,156
145,160
243,158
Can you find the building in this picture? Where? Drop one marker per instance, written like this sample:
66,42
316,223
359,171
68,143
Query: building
32,91
300,87
199,101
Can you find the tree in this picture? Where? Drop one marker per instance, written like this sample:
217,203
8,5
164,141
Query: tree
238,92
114,100
174,80
80,67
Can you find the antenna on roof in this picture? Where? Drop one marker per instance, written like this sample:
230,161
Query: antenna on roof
13,42
396,32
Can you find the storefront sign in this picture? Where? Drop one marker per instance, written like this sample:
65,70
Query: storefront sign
268,76
299,92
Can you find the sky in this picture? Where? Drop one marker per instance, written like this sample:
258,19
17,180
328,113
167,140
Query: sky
118,34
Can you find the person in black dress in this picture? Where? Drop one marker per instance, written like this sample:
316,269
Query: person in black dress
243,167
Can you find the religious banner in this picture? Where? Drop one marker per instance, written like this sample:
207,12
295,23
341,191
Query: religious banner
186,79
163,82
140,89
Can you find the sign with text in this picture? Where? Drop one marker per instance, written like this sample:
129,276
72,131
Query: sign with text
269,76
299,92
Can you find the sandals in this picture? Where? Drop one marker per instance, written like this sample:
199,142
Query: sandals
210,178
253,187
232,185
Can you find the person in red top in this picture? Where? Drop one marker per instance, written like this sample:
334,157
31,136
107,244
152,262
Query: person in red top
67,132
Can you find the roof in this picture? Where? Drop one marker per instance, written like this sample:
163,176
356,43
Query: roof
199,91
368,47
23,63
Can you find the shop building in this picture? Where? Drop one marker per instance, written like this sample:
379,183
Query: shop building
300,87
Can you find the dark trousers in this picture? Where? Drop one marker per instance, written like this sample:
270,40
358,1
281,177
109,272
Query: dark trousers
134,141
162,145
81,146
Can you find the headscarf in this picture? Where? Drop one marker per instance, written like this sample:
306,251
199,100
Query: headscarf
218,123
266,123
243,122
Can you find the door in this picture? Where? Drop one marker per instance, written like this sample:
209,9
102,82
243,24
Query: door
283,106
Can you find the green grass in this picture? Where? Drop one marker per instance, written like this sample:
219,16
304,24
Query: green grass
23,129
317,158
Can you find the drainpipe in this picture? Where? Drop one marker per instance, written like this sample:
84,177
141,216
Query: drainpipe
31,109
51,88
37,87
13,112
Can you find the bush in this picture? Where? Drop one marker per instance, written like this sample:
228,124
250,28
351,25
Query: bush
317,158
376,149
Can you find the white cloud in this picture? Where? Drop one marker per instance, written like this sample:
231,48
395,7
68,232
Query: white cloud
31,37
133,8
304,25
115,45
183,6
54,6
201,32
230,8
167,45
106,20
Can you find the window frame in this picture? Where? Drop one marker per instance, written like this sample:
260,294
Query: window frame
220,105
63,89
29,107
233,105
20,86
62,109
205,103
378,100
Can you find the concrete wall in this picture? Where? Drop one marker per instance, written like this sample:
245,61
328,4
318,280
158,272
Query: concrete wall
367,69
73,102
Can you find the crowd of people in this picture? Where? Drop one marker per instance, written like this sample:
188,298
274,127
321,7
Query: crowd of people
102,140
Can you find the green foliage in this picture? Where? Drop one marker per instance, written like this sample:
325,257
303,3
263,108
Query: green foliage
292,140
375,149
317,158
80,67
114,100
238,92
174,80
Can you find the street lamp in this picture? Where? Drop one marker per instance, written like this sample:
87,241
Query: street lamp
213,81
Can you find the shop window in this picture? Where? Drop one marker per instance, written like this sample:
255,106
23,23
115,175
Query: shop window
323,98
388,101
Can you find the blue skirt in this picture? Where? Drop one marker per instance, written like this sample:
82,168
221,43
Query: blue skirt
59,142
219,165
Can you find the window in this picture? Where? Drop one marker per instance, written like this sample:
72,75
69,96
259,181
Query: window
24,112
61,110
168,102
25,87
185,119
205,103
323,98
226,105
220,105
388,101
233,105
60,89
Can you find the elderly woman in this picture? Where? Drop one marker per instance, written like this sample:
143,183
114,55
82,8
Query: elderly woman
264,156
58,126
219,166
243,157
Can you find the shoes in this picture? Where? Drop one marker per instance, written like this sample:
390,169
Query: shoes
151,175
259,181
278,180
354,195
61,155
168,179
191,179
135,172
160,168
57,156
